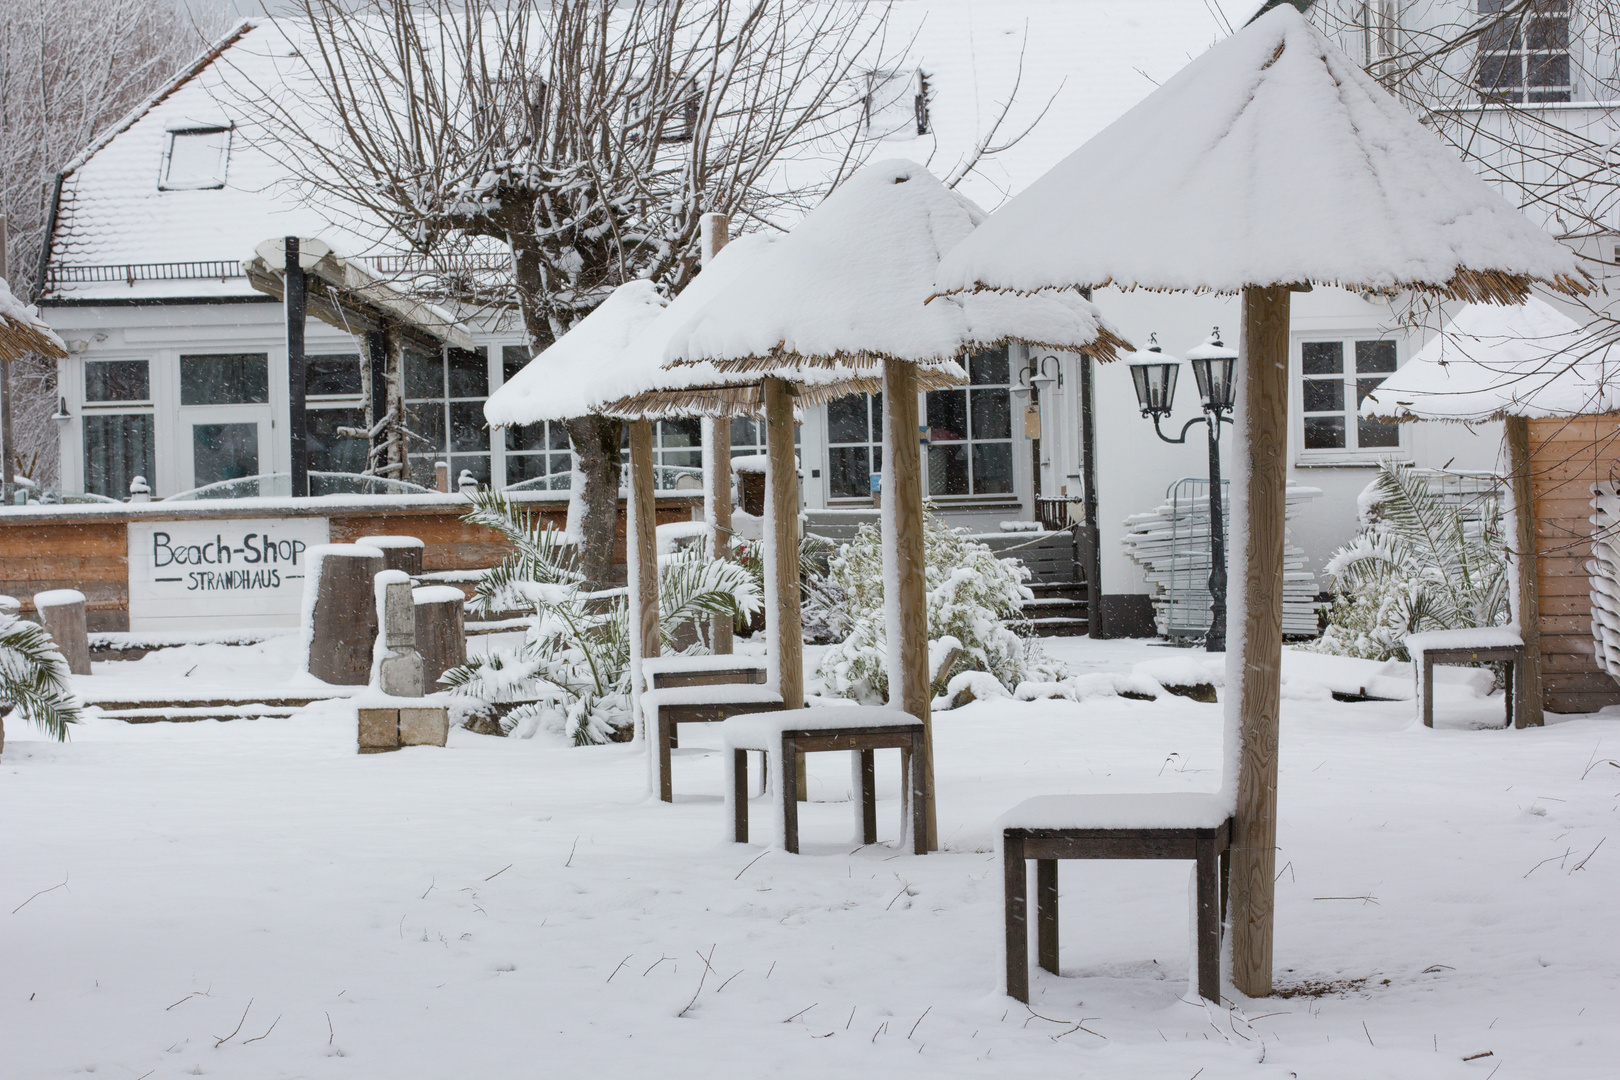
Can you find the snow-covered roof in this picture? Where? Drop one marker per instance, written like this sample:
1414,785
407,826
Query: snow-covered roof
847,286
1490,362
1081,61
22,331
1271,159
612,361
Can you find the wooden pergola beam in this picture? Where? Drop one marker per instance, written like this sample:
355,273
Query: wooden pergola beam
1527,708
642,560
782,524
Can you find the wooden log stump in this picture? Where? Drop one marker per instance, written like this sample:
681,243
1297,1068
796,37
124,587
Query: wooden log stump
441,631
61,613
343,618
399,552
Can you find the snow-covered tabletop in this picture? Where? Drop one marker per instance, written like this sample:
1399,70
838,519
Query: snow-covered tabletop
763,731
709,694
1159,810
1474,637
663,665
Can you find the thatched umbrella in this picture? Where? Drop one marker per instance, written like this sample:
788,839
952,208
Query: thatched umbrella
1515,365
22,331
843,291
612,363
1270,162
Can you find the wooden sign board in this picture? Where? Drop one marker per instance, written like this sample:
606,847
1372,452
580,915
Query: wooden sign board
220,574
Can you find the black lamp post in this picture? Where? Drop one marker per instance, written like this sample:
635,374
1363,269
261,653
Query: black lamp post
1213,366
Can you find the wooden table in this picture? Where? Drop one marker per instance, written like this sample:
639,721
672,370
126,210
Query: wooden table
1170,826
1432,654
804,731
665,709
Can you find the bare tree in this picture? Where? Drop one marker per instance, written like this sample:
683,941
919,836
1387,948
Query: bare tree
585,137
68,70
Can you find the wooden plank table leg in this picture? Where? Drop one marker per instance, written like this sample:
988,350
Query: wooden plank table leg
1013,874
1226,880
1046,913
868,797
1428,691
1209,921
1512,674
666,739
790,795
739,794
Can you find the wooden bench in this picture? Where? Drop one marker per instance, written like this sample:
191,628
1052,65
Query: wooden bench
1168,826
1497,644
805,731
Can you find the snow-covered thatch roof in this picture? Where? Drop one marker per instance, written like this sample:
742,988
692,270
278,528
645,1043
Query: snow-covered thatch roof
22,331
846,287
612,361
1491,362
1269,160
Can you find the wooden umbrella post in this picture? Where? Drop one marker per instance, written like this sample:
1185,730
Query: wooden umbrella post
642,557
902,491
1527,706
782,507
715,230
1265,443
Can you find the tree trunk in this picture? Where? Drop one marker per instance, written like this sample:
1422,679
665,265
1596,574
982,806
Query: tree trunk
596,444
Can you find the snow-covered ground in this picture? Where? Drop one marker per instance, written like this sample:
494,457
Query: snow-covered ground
513,908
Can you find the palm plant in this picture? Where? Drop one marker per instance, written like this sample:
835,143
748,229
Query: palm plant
572,671
1419,563
34,679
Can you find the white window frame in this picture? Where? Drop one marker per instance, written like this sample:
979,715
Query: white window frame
1351,454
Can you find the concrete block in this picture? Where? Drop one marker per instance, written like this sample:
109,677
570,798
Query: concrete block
379,730
424,727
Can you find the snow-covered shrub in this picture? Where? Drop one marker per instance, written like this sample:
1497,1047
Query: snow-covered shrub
820,600
1418,563
971,594
571,674
34,679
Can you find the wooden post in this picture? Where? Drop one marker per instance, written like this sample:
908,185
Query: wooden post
715,232
642,558
344,615
1527,711
902,508
8,448
782,524
441,631
62,614
293,298
1257,671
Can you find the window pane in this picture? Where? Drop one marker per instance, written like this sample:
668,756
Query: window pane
849,472
1322,357
1372,434
513,358
562,469
1500,36
1323,395
427,420
992,414
745,432
988,368
947,415
1324,433
846,420
1499,71
116,380
197,159
948,470
992,468
521,467
1549,34
223,452
526,437
680,433
227,379
477,464
117,449
1548,70
467,430
332,375
1375,356
424,375
327,450
557,435
469,372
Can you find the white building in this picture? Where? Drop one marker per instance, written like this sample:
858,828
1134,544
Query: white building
178,367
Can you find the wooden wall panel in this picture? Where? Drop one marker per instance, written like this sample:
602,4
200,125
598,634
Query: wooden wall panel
1567,457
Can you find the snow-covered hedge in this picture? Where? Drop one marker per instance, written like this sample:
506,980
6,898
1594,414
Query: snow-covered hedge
971,594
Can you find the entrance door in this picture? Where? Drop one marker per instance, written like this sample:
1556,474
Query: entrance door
225,415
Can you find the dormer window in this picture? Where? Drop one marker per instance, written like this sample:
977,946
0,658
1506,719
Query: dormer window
196,159
894,104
